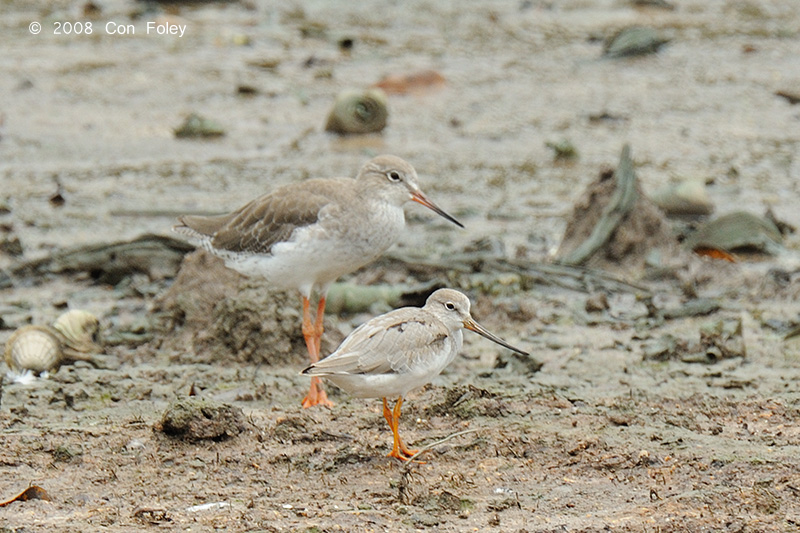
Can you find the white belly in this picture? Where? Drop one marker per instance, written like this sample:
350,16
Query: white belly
319,254
395,384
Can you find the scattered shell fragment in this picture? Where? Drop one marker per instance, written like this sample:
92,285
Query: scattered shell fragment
634,41
44,348
207,507
358,112
686,198
737,231
196,126
413,82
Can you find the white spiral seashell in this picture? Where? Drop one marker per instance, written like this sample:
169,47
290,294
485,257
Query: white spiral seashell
36,348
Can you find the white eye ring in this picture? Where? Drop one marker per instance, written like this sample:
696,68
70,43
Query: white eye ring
393,175
449,306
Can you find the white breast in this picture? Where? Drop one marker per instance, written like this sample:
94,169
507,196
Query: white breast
320,253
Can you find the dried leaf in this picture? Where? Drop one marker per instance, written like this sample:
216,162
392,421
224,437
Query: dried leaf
714,253
33,492
414,82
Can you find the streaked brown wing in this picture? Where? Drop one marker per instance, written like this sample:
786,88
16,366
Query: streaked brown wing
390,343
272,218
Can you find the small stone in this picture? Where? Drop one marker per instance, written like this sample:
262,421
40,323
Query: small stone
596,302
635,41
196,126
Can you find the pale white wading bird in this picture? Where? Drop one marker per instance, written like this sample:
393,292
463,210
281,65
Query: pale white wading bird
306,235
399,351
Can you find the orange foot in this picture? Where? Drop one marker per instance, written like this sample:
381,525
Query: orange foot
402,452
397,455
405,455
316,396
407,452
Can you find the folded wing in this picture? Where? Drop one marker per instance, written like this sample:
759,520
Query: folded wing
391,343
257,226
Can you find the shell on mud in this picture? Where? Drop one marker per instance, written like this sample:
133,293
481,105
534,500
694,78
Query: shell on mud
634,41
737,231
72,337
689,197
358,112
79,330
36,348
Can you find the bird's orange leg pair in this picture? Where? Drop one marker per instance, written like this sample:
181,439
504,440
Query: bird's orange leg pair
399,449
312,333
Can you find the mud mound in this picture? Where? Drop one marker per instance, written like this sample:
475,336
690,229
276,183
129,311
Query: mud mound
200,418
212,313
638,225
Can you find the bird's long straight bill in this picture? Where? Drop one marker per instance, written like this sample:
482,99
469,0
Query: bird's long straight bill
480,330
423,200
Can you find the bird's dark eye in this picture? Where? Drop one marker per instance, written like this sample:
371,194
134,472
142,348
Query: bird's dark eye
393,175
449,306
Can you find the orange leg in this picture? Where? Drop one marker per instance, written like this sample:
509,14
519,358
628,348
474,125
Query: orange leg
399,449
316,394
318,324
387,414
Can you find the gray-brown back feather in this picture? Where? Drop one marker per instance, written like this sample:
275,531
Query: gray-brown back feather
257,226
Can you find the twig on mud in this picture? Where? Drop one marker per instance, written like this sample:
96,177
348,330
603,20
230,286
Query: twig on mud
437,443
158,256
571,277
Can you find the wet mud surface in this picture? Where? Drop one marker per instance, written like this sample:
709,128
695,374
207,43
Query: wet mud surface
615,423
